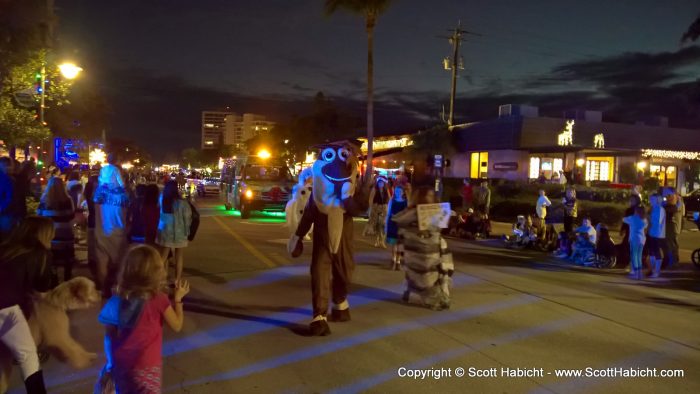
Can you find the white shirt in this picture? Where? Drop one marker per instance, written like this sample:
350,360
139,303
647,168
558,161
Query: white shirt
542,204
657,222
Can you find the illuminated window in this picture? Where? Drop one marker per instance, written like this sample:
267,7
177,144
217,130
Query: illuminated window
558,165
534,167
479,167
599,169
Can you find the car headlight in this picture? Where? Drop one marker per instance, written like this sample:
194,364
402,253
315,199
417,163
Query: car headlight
248,194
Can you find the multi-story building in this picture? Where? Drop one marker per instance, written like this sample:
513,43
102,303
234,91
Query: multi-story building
213,126
242,128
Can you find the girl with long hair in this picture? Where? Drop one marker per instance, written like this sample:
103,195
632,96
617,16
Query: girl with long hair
173,226
57,205
133,320
25,267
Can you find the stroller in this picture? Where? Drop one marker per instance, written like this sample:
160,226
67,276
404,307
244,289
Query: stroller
583,250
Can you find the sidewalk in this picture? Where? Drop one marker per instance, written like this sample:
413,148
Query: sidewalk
688,240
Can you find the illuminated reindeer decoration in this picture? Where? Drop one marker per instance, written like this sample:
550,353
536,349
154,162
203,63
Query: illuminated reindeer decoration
566,137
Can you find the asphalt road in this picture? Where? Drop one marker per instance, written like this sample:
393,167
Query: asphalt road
250,303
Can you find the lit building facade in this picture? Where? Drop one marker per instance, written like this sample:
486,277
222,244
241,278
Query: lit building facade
213,126
239,129
521,145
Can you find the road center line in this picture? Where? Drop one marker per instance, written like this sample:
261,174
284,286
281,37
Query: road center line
252,249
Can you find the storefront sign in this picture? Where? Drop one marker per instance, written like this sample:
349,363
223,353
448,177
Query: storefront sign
670,154
506,166
387,144
433,215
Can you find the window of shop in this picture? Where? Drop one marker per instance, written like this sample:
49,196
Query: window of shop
600,169
479,165
665,174
545,165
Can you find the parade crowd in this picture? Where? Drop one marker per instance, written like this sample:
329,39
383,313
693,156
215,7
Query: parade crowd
132,230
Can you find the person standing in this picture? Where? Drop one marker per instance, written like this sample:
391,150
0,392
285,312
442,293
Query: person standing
570,209
624,257
151,214
657,234
637,224
173,226
57,205
111,224
674,221
133,320
379,200
542,204
397,204
89,194
9,218
467,194
483,199
562,178
25,268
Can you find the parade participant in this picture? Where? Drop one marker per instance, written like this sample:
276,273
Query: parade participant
334,200
428,264
397,204
300,197
378,200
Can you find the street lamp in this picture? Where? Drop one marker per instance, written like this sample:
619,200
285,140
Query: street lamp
69,70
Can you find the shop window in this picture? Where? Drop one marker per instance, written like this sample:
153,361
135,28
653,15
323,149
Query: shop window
558,165
599,169
534,167
665,174
479,165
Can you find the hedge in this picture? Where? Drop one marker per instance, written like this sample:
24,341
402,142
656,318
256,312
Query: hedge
609,214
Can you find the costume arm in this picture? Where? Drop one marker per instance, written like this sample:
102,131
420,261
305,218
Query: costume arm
307,218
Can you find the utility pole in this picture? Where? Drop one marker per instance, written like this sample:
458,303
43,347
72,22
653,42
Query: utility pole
455,63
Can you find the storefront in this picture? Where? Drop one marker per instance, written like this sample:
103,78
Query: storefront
519,147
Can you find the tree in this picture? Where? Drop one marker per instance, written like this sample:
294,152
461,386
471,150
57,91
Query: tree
370,9
693,32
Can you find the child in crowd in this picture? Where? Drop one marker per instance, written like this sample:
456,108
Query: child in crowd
605,247
428,262
637,224
583,250
133,320
397,204
523,232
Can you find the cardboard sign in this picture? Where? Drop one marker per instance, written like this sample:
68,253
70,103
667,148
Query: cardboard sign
433,215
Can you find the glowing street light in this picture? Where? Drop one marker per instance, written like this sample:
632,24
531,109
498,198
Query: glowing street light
264,154
69,70
580,162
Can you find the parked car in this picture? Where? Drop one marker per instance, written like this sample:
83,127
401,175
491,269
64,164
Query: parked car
692,202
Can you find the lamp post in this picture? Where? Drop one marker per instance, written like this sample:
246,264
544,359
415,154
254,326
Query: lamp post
68,71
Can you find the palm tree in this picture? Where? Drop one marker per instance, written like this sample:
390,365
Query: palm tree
693,32
370,9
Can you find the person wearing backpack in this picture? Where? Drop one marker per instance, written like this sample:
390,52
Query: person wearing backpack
174,226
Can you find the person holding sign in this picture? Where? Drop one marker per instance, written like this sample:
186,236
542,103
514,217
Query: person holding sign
428,262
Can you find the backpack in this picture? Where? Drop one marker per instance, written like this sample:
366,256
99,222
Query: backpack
194,225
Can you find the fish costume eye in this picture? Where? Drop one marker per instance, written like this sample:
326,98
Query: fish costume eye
343,154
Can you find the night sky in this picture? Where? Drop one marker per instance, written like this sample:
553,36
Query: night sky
160,63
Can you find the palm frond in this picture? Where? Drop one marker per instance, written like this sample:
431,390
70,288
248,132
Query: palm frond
693,32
